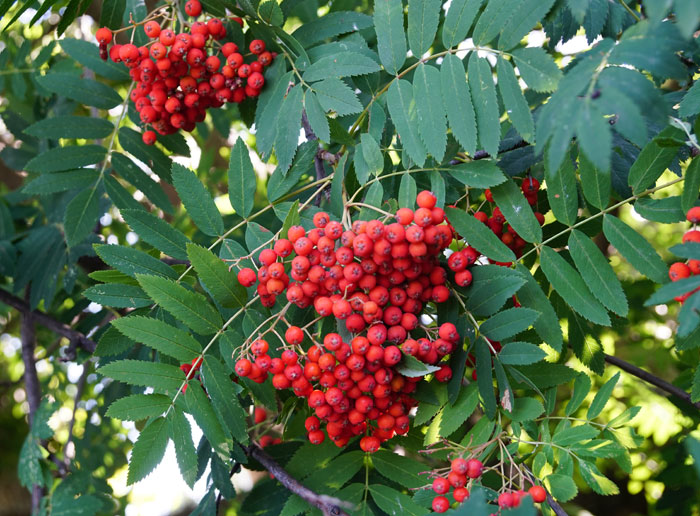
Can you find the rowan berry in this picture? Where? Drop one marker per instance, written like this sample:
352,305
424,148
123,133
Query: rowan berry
257,46
693,215
538,494
679,271
104,36
426,199
441,485
460,494
148,137
193,8
370,444
440,504
243,367
294,335
474,468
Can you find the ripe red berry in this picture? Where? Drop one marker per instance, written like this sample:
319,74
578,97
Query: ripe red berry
474,468
506,500
193,8
104,36
259,415
440,504
243,367
538,494
294,335
370,444
460,494
148,137
693,215
441,485
257,46
679,271
152,29
426,199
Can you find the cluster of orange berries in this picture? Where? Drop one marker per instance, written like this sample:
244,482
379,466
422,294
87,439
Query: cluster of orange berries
682,270
184,74
376,278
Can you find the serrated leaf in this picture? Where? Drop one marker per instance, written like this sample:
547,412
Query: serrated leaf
112,13
151,155
492,20
201,409
131,261
537,69
81,216
562,192
667,210
518,213
88,55
391,40
85,91
157,232
520,353
423,18
223,395
160,336
148,374
117,295
414,368
198,201
70,127
221,282
525,15
47,184
649,165
601,398
484,377
690,105
185,452
390,501
582,386
407,191
335,95
458,21
66,158
514,101
597,273
139,406
138,178
488,296
594,478
688,250
455,414
568,283
148,450
189,307
432,126
398,468
575,434
670,290
508,323
586,347
462,119
594,182
562,487
691,185
288,123
478,174
547,324
347,64
369,160
479,236
399,99
316,116
594,135
483,93
635,249
241,179
526,409
271,13
330,25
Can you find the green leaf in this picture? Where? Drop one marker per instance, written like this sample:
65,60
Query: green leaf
223,395
520,353
695,389
288,122
562,487
81,216
200,407
478,174
667,210
458,21
221,282
484,377
594,182
518,213
160,336
198,200
241,180
546,374
537,69
601,398
597,273
594,478
547,324
594,135
688,250
157,232
582,386
347,64
574,434
139,406
690,105
112,13
455,87
148,374
271,13
131,261
568,283
483,93
316,116
138,178
649,166
151,155
390,500
391,40
330,25
368,158
670,290
432,126
635,249
414,368
148,450
492,20
479,235
691,186
66,158
47,184
117,295
85,91
508,323
71,127
524,16
514,100
423,18
335,95
454,415
490,291
185,452
526,409
88,55
562,192
395,467
407,191
399,100
189,307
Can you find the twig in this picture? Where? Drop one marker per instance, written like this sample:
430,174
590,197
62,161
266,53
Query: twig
76,338
650,378
553,504
327,504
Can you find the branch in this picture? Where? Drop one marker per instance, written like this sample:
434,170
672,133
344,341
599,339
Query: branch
553,504
650,378
327,504
76,338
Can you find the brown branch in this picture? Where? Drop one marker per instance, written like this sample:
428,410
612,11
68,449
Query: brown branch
76,338
651,378
327,504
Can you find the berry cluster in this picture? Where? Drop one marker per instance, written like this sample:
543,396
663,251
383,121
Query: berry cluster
682,270
184,74
186,368
377,278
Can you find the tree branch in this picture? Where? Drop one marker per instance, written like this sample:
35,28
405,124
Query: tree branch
650,378
553,504
76,338
327,504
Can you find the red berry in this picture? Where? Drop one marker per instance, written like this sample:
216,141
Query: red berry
104,36
440,504
506,500
243,367
474,468
259,415
294,335
679,271
193,8
370,444
152,29
441,485
426,199
460,494
148,137
538,494
693,215
257,46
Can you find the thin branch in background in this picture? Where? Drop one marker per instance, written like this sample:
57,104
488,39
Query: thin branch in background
650,378
328,505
